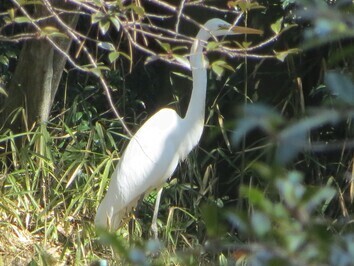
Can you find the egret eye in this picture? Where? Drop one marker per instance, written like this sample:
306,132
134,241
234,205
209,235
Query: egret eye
224,27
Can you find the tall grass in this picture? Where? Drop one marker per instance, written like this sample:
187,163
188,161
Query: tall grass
226,204
52,180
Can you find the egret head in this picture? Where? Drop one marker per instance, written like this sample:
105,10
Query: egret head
218,27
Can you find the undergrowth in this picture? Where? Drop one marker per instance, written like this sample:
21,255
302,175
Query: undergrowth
275,188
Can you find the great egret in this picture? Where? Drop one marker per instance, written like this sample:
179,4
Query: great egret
163,140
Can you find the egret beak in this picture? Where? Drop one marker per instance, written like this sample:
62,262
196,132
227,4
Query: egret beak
245,30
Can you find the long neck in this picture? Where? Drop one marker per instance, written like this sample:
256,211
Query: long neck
198,63
194,118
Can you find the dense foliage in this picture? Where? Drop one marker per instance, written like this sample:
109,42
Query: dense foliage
271,182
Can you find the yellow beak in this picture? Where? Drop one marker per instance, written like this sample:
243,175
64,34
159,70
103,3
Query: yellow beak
245,30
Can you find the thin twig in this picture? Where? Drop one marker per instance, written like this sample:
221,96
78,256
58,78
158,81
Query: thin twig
92,61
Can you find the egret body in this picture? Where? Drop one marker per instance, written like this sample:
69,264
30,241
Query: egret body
163,140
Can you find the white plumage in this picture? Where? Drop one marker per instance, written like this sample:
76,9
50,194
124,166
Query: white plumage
162,141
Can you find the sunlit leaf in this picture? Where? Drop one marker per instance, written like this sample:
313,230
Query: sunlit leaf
96,71
97,17
212,45
137,9
115,22
106,46
4,60
286,3
3,91
30,2
246,44
217,69
222,260
244,5
283,54
113,56
219,66
104,26
182,60
22,20
243,45
276,26
166,46
11,13
288,26
53,32
178,48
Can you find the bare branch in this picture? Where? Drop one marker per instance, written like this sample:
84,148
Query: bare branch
92,61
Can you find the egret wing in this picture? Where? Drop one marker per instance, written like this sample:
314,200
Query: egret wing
149,159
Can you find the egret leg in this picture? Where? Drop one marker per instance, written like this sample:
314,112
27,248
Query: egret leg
153,229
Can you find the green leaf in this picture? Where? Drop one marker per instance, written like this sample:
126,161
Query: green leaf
4,60
11,13
30,2
22,20
97,17
96,71
219,66
115,22
177,48
212,45
245,6
276,26
243,45
182,60
53,32
138,10
165,46
106,46
217,69
246,44
3,91
104,26
113,56
282,55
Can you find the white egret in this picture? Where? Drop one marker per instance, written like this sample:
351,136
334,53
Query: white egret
162,141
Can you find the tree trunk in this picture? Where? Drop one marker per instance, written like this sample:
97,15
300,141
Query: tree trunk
36,79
